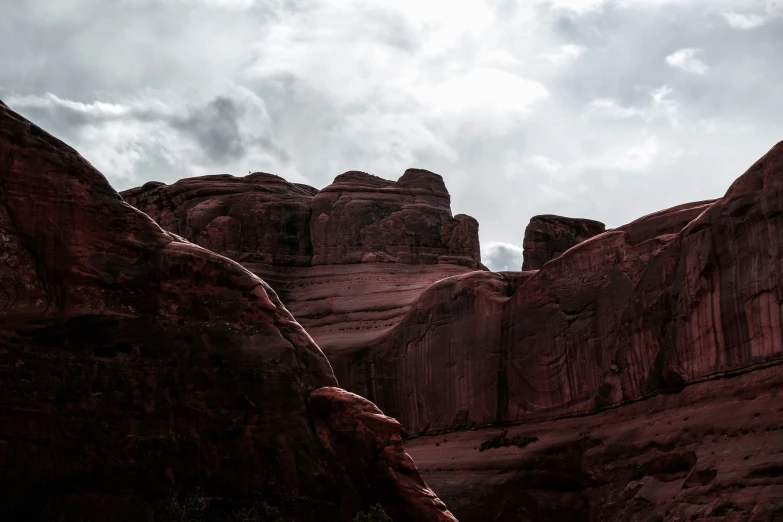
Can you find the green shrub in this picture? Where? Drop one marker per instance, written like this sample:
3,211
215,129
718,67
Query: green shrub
375,514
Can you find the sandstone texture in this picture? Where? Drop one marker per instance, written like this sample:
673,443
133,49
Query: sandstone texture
364,218
360,218
634,377
348,261
348,307
711,452
548,236
649,307
133,362
367,448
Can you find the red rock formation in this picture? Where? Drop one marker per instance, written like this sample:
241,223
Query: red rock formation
360,218
367,447
348,307
629,312
364,218
438,367
259,217
657,306
402,233
669,221
132,361
711,452
548,236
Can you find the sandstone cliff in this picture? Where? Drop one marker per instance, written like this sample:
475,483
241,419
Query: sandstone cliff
133,362
347,260
360,218
684,302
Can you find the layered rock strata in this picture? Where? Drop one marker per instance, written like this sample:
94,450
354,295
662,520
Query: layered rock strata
628,313
133,362
360,218
347,260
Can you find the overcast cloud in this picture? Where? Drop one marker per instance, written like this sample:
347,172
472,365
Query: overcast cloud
592,108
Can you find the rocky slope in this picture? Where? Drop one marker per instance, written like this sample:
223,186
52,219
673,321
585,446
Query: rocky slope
133,362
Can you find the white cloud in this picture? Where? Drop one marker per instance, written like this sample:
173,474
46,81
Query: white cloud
686,60
744,21
483,100
663,105
502,257
545,163
523,107
565,53
609,108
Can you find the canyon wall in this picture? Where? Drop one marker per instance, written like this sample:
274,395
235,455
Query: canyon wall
347,260
134,362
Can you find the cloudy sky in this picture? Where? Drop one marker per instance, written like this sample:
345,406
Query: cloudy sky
607,109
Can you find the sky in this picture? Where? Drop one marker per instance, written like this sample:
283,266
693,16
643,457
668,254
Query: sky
604,109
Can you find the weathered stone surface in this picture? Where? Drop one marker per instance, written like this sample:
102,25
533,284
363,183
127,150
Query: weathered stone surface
376,244
133,362
348,307
360,218
366,446
625,314
260,217
548,236
710,452
438,367
669,221
364,218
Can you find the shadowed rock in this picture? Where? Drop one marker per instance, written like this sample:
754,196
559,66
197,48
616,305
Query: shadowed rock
547,237
133,362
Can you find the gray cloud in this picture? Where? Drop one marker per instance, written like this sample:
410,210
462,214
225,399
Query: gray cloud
215,128
548,106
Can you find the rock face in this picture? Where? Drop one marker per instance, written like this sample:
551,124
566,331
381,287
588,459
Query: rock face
348,307
260,216
364,218
348,261
366,447
548,236
360,218
670,457
133,362
679,301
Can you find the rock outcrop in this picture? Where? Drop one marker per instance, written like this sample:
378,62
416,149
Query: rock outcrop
133,362
364,218
348,261
360,218
679,301
548,236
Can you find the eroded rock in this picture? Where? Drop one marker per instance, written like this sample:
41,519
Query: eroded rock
133,362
